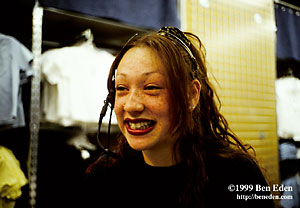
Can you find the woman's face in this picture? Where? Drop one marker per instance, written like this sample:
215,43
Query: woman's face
142,100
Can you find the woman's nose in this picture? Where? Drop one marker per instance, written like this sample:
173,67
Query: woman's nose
134,102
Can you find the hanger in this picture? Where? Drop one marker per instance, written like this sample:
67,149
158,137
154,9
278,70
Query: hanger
85,37
289,72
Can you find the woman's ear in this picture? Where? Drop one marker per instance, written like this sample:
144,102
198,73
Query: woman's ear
194,94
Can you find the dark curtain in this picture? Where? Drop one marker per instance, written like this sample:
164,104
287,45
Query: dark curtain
288,33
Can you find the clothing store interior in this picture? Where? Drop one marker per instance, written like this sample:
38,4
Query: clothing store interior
49,114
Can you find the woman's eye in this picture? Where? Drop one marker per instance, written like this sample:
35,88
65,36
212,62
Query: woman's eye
121,88
152,87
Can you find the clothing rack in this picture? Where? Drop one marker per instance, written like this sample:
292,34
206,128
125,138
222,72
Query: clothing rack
289,5
37,18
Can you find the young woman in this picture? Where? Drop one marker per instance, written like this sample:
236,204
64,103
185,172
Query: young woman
176,149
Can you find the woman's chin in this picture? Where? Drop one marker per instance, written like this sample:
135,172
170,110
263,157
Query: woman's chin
138,145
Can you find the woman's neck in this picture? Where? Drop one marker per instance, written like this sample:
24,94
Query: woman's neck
160,159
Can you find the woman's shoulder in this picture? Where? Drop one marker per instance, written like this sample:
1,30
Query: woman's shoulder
107,166
233,180
238,168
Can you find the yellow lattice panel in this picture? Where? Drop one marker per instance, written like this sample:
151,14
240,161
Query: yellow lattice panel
239,37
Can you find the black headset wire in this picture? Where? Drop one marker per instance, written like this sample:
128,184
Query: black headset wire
108,102
108,130
106,149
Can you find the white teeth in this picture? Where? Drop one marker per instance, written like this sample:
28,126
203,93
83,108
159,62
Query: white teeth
140,125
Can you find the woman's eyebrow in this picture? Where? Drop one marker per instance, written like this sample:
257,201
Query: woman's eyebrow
143,74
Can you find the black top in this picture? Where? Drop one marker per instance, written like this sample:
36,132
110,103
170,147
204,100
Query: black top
136,184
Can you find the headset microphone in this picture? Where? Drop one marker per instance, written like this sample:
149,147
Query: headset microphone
106,149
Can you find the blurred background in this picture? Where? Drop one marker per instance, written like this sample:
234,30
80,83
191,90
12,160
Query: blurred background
253,56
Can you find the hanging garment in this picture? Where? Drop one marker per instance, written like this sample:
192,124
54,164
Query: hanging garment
288,107
75,84
292,195
287,33
143,13
15,70
288,151
12,179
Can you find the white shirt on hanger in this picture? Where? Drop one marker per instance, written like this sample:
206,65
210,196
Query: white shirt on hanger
75,84
288,107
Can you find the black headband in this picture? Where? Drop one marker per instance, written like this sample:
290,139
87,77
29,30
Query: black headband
181,38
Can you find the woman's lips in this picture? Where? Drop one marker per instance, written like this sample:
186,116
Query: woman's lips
139,126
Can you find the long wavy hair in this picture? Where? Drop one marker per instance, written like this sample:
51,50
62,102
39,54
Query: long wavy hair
202,132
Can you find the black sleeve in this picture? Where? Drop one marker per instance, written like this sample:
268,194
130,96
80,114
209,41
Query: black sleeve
237,183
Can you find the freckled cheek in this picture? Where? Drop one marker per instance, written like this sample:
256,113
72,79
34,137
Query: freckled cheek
159,107
119,108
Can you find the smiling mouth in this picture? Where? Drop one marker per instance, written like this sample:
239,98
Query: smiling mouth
139,127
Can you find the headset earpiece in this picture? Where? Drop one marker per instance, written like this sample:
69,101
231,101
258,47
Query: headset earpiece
111,89
111,98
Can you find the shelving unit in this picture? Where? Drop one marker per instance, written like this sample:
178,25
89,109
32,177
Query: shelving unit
54,28
60,27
